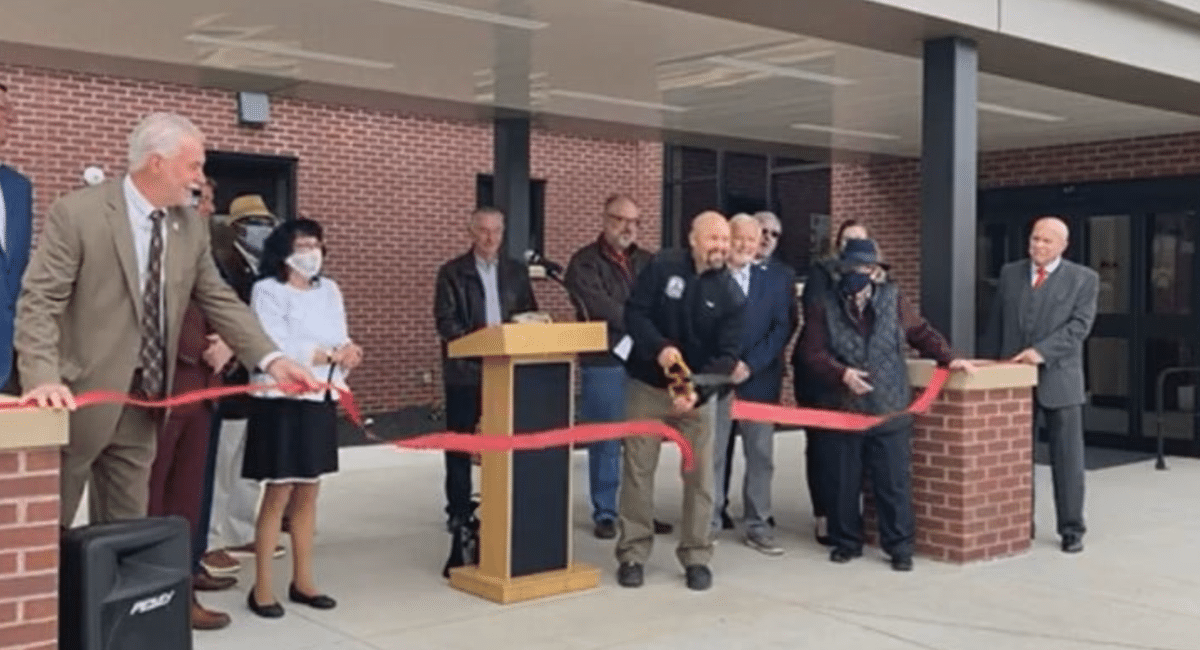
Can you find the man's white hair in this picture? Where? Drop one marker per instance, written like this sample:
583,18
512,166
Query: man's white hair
162,134
768,218
741,218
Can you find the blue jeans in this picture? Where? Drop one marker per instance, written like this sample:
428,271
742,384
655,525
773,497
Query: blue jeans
603,400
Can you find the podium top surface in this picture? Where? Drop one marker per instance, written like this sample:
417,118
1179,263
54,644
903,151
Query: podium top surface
531,339
32,427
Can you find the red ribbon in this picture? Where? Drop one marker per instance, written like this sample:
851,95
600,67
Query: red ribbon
447,440
471,442
835,420
95,397
581,433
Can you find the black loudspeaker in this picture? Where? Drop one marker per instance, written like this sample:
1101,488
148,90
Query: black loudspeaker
126,586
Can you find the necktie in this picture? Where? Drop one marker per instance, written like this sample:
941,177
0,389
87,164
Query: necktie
153,357
1041,277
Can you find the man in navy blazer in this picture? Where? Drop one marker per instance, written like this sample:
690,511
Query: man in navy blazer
16,219
768,326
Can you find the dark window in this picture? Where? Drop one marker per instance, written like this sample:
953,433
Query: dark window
796,190
485,196
272,177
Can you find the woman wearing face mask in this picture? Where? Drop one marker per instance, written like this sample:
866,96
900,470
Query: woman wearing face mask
854,346
291,440
818,464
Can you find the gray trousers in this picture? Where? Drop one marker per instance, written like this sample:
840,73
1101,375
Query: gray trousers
1065,427
758,447
639,463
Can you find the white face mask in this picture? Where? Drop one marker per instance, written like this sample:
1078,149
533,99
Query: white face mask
306,263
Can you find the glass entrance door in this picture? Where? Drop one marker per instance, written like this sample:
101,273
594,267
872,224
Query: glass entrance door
1103,243
1143,352
1170,326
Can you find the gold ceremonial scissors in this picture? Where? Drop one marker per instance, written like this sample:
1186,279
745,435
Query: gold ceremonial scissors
679,379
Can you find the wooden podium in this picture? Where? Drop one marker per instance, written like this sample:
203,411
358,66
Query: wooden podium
525,527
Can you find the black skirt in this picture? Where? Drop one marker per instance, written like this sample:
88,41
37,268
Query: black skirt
290,440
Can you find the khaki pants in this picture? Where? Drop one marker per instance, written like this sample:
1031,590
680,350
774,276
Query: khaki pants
640,461
117,462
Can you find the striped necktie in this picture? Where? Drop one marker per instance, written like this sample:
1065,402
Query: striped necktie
153,356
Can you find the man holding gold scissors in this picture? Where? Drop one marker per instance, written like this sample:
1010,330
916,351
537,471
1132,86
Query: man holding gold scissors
685,312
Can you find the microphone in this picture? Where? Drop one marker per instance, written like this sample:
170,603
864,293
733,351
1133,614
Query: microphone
554,271
533,257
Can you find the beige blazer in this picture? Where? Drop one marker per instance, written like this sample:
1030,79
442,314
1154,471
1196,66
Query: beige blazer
80,303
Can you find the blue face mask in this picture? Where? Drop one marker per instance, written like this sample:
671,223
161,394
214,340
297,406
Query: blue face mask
253,236
852,283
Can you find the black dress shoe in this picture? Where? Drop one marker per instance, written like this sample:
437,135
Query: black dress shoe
726,521
320,601
274,610
823,540
699,577
1072,543
629,574
662,528
842,555
902,563
606,529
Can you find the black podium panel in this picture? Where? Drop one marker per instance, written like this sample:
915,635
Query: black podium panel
126,586
541,478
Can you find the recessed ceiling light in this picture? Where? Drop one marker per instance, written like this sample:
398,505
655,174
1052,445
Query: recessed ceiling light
467,13
780,71
846,132
1019,112
620,101
285,50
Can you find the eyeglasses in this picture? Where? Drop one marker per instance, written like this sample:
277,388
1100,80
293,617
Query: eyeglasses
634,221
772,233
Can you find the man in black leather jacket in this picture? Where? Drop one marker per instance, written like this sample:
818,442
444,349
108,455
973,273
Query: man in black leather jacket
474,290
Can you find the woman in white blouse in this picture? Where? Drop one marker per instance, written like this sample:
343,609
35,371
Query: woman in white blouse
291,440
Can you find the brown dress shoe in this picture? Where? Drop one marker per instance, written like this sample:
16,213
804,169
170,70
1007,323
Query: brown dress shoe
219,562
204,581
207,619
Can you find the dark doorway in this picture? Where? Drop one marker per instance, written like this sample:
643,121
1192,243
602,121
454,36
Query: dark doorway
236,174
485,196
1140,237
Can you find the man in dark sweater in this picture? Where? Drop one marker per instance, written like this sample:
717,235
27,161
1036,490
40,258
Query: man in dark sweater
600,277
684,307
853,344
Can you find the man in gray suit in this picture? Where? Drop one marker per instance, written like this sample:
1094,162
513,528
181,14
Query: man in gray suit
1043,311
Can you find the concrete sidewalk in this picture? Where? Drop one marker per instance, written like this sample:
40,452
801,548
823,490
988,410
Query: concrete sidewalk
381,544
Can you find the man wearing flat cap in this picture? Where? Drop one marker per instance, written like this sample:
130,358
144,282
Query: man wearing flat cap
853,344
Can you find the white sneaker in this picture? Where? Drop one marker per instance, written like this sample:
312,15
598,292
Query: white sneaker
763,543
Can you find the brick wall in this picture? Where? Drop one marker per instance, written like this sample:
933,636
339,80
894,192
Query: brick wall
1169,155
29,550
972,487
392,189
887,197
971,475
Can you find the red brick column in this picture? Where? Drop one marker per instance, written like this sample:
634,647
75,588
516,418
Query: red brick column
29,531
972,465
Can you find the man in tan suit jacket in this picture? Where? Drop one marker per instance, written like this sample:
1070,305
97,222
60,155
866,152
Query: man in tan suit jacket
80,309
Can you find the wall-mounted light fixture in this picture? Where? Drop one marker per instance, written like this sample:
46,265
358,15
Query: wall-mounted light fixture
254,109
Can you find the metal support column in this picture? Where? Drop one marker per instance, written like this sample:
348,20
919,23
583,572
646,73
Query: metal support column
510,148
949,149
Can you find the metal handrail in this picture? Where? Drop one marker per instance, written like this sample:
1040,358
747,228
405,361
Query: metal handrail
1160,384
